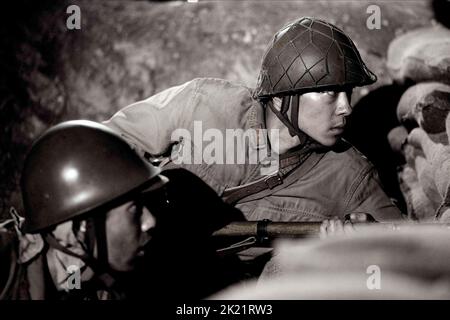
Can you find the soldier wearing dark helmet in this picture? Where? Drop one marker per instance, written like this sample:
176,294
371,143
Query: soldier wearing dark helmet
303,93
309,55
102,223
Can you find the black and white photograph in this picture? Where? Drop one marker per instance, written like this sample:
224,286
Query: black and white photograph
224,155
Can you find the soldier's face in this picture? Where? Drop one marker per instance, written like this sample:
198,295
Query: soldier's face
322,115
127,231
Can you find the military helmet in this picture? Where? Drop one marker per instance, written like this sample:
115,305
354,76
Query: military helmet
310,55
76,167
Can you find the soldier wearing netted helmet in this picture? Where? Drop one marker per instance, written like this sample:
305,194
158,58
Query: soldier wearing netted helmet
310,55
303,92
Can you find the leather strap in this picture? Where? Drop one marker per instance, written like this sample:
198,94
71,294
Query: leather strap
297,173
295,106
270,184
288,162
233,195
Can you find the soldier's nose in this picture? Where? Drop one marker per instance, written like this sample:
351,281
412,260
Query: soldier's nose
148,221
343,108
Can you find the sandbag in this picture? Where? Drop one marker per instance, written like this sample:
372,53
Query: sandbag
416,250
426,181
397,138
420,55
438,157
412,262
331,286
441,138
418,205
410,153
445,216
427,104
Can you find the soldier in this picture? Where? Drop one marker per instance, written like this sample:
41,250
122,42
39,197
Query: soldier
303,93
101,223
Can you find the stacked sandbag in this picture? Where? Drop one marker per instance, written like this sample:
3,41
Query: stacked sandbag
426,104
438,159
410,262
423,179
422,56
418,204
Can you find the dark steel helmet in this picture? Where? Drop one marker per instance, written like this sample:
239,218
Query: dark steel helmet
310,55
75,167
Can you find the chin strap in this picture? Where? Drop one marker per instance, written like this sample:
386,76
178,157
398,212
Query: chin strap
96,235
97,231
290,103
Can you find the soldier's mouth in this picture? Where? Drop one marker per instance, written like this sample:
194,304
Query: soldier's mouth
337,129
143,247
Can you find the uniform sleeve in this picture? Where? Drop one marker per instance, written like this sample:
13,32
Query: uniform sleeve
149,124
369,197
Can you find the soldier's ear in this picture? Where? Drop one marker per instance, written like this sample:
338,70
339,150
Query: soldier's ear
79,230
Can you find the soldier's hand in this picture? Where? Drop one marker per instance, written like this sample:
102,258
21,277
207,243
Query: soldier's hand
335,226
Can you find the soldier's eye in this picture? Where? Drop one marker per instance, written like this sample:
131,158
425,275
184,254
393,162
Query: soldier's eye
331,93
133,209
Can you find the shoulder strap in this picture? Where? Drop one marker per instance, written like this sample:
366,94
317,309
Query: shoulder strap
268,185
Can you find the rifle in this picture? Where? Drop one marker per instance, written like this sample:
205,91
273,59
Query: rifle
266,229
257,233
